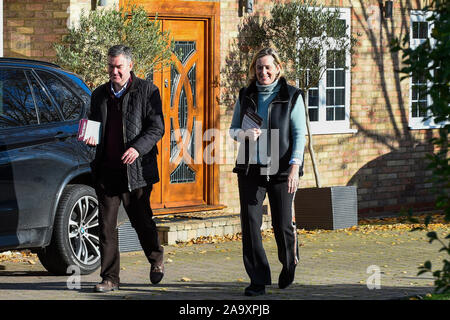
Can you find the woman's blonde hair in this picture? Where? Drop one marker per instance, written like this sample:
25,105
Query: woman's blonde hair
262,53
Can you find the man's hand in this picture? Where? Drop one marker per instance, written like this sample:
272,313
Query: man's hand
90,141
130,156
293,178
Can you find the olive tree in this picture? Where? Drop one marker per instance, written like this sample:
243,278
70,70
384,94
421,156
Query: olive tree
84,49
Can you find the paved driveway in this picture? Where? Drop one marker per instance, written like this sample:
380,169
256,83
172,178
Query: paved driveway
333,265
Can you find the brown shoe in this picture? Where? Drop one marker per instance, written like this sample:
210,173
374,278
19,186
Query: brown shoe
156,272
106,286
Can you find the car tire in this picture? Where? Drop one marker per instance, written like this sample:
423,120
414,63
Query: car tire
75,238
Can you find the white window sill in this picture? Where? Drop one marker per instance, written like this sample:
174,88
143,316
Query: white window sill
428,124
334,131
425,127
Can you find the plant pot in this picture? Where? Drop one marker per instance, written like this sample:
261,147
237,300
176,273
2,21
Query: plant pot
327,208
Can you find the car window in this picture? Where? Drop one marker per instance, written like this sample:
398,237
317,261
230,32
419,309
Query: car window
70,105
47,111
16,101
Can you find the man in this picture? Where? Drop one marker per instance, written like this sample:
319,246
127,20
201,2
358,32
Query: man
125,165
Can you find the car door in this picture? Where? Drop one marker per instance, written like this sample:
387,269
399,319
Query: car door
37,152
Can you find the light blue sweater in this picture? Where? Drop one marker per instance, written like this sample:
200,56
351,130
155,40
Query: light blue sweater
297,121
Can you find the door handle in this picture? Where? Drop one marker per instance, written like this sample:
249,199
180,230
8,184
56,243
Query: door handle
166,83
62,135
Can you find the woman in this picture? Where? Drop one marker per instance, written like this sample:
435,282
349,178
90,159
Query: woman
270,160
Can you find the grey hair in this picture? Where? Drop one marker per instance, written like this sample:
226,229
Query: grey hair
119,49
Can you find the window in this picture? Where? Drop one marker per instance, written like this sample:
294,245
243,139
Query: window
420,31
17,106
70,104
47,111
329,103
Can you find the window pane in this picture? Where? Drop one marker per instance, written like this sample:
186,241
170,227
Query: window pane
340,97
313,97
330,114
423,30
330,59
338,30
330,97
414,110
70,105
16,102
422,108
340,113
415,28
313,114
47,111
422,92
330,78
340,78
340,59
414,93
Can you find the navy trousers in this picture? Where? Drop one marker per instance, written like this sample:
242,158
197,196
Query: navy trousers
111,190
252,191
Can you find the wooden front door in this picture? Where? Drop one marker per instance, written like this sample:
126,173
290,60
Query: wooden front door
182,87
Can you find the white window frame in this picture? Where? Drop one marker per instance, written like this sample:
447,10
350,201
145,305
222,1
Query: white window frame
322,126
418,123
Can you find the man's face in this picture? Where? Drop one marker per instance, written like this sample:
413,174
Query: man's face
119,69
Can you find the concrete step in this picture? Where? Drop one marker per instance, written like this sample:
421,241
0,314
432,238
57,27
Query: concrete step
186,227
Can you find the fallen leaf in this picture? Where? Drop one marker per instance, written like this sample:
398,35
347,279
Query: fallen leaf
185,279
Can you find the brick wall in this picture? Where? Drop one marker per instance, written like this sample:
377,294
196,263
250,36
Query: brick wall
384,159
32,26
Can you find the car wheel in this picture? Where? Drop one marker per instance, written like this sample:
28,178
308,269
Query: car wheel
75,239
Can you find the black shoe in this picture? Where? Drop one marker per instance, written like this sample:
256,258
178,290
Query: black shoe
156,273
255,290
286,278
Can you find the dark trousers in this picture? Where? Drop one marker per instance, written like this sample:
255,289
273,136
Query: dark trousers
111,190
252,191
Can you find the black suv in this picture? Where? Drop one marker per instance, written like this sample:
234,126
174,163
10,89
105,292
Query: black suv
47,202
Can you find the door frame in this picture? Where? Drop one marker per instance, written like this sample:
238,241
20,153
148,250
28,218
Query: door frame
210,13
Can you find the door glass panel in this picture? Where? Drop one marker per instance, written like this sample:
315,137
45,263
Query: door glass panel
183,109
174,79
173,142
191,147
192,78
182,174
184,49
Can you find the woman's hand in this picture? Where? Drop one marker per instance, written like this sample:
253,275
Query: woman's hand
293,179
253,134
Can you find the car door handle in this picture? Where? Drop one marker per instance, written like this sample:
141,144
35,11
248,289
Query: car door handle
63,135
